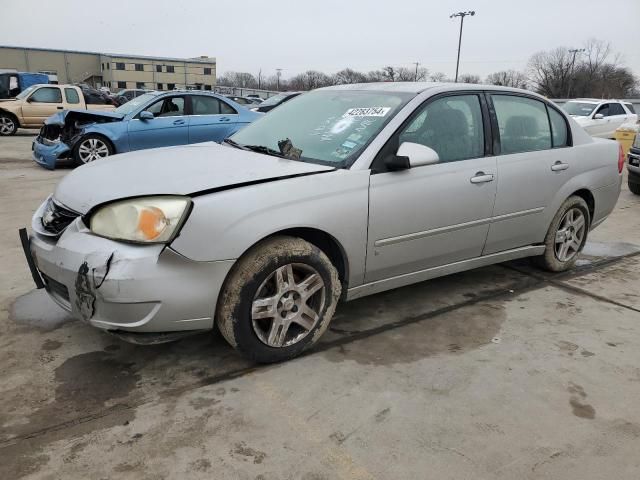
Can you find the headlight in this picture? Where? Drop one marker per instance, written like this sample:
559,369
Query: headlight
145,219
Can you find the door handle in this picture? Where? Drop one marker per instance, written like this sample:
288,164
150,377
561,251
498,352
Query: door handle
559,166
60,108
224,119
178,122
481,177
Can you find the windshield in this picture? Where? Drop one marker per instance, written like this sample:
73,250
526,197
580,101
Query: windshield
273,100
579,109
329,127
135,103
25,93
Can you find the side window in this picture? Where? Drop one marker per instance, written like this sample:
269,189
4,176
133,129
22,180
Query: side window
452,126
604,110
616,109
559,130
46,95
205,105
72,95
167,107
523,124
227,109
630,108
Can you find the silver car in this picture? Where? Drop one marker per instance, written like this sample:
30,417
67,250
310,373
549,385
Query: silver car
340,193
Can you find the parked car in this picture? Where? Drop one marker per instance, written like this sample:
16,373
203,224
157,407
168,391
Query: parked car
152,120
34,105
12,83
600,118
244,101
633,167
130,94
340,193
272,102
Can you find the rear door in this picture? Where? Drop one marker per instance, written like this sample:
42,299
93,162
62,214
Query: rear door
617,116
41,104
211,119
533,161
170,125
436,214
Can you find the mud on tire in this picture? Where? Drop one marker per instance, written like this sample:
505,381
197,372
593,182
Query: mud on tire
248,325
550,260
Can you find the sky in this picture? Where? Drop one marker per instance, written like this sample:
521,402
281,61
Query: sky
327,35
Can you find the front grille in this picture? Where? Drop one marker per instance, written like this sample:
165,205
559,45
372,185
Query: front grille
55,218
56,287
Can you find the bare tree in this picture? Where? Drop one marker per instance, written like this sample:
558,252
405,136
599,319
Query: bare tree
550,71
404,74
439,77
348,76
469,78
508,78
238,79
309,80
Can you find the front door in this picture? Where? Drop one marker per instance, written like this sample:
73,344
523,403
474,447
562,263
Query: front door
436,214
211,120
170,125
41,104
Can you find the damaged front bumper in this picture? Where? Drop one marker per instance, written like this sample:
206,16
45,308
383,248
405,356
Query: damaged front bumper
124,287
47,155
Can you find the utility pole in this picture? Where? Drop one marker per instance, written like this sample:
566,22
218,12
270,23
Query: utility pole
260,79
278,73
461,15
416,77
574,51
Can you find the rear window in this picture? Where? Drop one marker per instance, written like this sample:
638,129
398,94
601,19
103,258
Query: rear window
72,95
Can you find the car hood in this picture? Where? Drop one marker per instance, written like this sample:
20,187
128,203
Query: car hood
185,170
83,116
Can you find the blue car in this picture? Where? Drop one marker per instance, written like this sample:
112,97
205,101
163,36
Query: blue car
155,119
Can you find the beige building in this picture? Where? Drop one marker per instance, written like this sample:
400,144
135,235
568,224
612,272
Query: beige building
112,70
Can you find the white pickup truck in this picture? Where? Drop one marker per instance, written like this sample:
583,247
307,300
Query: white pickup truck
37,103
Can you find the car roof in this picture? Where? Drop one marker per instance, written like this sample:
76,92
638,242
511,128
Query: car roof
595,100
419,87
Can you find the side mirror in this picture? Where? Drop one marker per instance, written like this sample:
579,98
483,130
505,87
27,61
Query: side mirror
411,155
145,115
598,116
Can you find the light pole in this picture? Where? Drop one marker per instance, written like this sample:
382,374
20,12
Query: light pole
461,15
416,77
278,73
575,51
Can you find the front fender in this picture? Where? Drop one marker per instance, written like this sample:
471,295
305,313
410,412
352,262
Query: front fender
115,132
225,224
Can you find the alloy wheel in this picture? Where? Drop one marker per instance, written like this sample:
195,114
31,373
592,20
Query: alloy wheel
92,149
288,304
570,234
7,126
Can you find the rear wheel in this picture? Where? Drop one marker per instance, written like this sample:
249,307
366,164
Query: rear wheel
8,124
566,236
278,300
634,187
90,148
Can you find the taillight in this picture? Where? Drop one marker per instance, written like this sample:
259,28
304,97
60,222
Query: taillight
620,159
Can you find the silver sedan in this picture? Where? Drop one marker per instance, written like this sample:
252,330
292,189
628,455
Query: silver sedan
340,193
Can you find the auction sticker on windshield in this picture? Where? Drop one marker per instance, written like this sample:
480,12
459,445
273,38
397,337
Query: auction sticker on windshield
367,112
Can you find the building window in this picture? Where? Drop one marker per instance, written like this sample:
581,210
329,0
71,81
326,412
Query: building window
119,65
108,65
207,71
139,67
159,86
207,87
171,69
159,68
171,86
139,84
122,84
102,66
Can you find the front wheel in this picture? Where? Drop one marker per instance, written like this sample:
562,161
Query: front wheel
8,125
278,299
90,148
566,236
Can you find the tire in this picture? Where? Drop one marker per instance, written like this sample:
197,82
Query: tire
91,147
634,187
258,310
8,125
565,228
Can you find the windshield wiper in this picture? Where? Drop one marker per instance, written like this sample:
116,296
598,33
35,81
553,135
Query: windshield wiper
265,150
233,143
